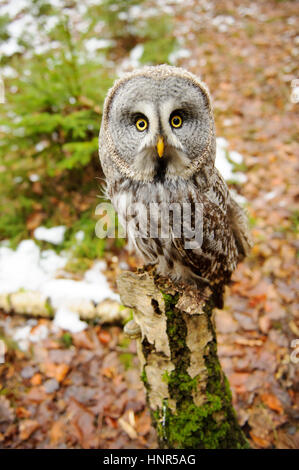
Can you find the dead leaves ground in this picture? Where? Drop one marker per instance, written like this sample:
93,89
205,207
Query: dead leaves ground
89,395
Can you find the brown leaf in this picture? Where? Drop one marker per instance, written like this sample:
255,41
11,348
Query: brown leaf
57,432
27,427
143,423
259,441
109,372
83,340
287,441
104,337
128,428
6,412
37,394
82,421
272,401
36,379
37,187
34,220
22,412
225,322
111,422
55,371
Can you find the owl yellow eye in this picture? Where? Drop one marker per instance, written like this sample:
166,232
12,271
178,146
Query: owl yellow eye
176,121
141,124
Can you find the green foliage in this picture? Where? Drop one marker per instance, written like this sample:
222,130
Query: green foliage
126,359
50,122
4,22
66,340
294,218
161,41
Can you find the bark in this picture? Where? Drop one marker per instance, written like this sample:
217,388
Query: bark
35,304
187,392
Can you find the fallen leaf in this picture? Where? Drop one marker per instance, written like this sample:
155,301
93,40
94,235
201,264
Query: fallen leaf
34,220
55,371
259,441
272,401
82,421
22,412
128,428
36,379
83,340
57,432
27,427
37,394
109,372
104,337
6,412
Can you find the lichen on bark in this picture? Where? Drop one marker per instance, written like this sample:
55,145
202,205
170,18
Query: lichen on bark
187,392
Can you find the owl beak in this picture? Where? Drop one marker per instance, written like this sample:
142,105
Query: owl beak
160,146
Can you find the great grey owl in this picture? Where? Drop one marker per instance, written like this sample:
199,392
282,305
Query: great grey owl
157,146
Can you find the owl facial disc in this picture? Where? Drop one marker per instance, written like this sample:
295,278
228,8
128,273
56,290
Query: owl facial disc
159,113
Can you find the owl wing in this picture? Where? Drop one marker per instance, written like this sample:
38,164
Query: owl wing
239,223
219,194
225,235
217,255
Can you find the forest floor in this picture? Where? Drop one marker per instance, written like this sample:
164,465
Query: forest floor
83,390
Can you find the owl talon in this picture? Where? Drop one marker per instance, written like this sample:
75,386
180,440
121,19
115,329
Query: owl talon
132,329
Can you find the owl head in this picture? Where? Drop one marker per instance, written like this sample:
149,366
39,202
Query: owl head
157,123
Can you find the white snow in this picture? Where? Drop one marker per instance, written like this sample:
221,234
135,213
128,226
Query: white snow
131,62
136,53
68,293
34,270
34,177
271,195
53,235
222,22
24,268
68,320
80,236
224,165
13,8
24,334
93,44
178,54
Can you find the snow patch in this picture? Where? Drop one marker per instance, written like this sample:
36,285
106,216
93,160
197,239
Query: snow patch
30,269
25,335
223,163
53,235
178,54
131,62
68,320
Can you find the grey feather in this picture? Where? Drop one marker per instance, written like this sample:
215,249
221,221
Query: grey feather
185,174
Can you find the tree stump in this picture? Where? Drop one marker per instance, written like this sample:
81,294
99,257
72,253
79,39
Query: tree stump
187,392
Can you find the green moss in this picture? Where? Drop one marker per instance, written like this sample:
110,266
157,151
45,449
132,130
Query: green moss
144,377
49,308
66,340
211,425
126,359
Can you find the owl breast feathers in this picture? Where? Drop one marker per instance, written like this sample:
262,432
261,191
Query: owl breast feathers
157,149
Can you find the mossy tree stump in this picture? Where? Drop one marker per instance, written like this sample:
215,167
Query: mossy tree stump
187,392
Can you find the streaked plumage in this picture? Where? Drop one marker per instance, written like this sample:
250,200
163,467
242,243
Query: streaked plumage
184,174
